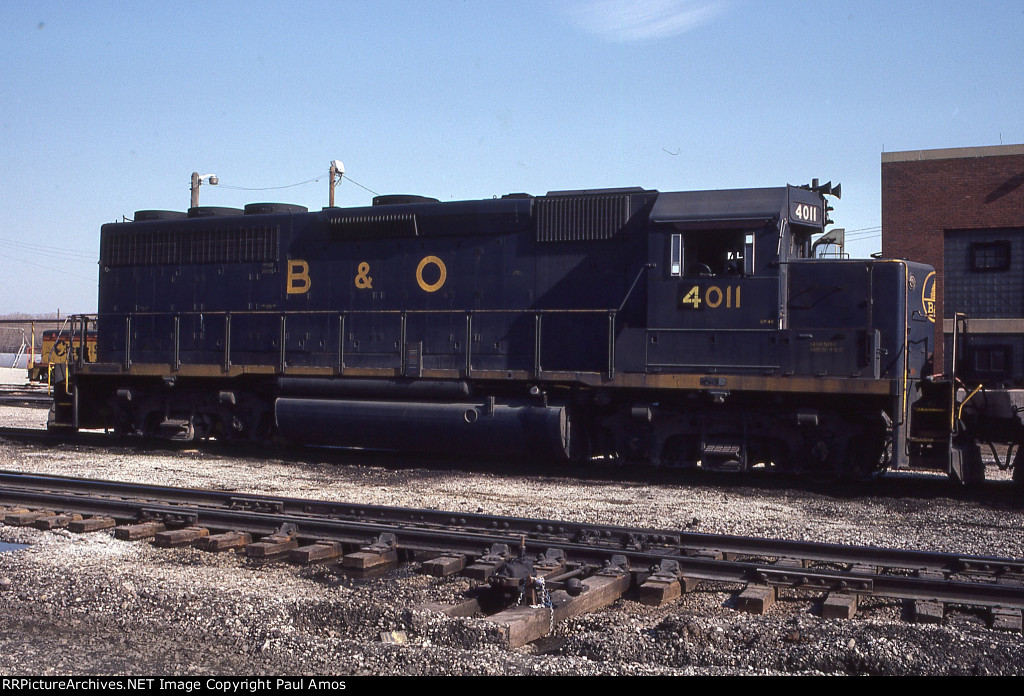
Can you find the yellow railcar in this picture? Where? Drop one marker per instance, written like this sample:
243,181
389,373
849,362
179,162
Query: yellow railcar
57,344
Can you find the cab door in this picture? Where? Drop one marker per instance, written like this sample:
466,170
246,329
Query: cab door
709,308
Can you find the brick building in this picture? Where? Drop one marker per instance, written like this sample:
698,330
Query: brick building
961,210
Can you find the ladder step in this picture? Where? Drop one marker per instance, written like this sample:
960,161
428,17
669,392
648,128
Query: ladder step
938,440
731,450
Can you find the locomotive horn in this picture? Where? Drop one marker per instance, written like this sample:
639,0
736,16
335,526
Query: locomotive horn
827,189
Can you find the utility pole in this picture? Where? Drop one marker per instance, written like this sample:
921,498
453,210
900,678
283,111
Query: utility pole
197,181
337,171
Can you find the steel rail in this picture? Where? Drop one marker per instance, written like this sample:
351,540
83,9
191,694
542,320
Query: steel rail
445,532
420,539
541,530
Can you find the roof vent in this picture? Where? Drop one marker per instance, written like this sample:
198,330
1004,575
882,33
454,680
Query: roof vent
270,208
401,198
148,215
212,211
571,218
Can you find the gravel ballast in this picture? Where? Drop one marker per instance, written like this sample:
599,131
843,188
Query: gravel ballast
90,604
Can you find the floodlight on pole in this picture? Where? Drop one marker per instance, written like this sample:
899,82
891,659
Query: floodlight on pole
197,181
337,171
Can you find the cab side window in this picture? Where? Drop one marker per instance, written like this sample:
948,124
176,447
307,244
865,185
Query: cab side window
712,253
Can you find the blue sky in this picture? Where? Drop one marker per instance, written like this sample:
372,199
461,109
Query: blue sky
107,108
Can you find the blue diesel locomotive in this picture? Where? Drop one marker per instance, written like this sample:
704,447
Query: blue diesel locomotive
682,328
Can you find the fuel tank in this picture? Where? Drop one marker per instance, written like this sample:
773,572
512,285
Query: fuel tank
473,428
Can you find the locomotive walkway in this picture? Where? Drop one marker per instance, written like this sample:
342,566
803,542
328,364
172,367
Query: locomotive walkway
532,573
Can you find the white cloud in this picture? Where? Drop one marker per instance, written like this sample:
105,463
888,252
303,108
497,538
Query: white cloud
638,20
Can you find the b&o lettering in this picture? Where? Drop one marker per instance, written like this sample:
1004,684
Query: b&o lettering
298,282
442,274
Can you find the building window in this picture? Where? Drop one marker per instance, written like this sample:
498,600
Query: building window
990,362
990,256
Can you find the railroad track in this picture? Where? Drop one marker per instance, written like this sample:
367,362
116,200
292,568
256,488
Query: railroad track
532,573
29,395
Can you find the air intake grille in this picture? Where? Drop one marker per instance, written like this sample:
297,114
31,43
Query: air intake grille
131,247
374,226
580,218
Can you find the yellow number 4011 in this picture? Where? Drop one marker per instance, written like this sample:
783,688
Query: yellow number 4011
713,296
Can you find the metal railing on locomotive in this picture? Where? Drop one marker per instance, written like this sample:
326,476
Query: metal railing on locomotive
960,329
84,323
81,323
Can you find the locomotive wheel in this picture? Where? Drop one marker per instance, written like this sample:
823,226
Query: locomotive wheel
580,442
1018,465
865,453
681,451
859,465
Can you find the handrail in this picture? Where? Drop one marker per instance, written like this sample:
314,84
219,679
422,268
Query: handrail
953,412
92,317
81,321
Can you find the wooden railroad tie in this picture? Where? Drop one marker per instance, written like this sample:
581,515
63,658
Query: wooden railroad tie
756,599
272,546
92,524
322,550
488,564
58,521
180,537
228,541
927,611
465,609
134,532
520,625
381,553
24,518
446,565
839,605
1006,619
667,584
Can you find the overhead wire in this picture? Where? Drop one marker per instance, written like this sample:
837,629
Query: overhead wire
67,254
864,233
269,188
44,250
301,183
348,178
62,271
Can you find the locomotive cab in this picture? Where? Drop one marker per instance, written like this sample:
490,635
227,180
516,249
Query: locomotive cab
792,362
